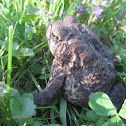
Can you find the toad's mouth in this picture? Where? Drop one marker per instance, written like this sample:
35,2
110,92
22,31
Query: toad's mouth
58,49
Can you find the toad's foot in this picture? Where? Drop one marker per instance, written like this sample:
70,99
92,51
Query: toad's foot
117,95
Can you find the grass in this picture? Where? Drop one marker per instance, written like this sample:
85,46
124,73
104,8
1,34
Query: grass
31,57
9,69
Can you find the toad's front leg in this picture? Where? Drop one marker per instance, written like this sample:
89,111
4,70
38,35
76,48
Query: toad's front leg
50,93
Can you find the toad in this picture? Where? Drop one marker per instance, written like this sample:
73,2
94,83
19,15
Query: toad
82,65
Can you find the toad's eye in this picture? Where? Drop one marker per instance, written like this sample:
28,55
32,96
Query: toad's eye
55,36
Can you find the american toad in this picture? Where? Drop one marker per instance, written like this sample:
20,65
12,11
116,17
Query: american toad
82,65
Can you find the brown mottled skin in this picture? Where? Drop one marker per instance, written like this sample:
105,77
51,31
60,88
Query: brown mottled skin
82,65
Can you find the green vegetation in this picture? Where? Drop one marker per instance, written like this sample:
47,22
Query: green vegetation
101,104
25,60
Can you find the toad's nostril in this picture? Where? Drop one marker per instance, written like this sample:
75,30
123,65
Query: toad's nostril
97,46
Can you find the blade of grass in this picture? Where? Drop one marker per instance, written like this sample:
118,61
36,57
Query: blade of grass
72,7
42,12
59,4
2,72
52,116
74,116
35,81
45,107
45,74
9,69
63,108
62,8
70,118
